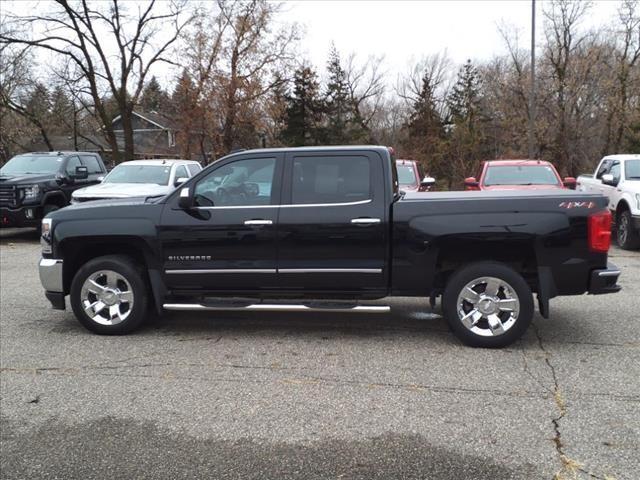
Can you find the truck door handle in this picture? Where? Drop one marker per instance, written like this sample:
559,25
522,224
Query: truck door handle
365,221
258,222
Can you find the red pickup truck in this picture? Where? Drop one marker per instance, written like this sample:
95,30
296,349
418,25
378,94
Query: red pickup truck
518,175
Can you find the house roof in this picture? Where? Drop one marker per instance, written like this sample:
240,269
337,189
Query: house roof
155,118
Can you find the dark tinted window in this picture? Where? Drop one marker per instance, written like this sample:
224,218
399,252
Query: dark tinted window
240,183
615,171
72,163
604,168
331,179
91,163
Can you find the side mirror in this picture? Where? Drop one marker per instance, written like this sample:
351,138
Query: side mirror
426,183
470,183
185,201
180,181
608,179
569,182
81,173
101,178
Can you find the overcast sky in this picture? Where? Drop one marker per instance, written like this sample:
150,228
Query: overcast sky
402,30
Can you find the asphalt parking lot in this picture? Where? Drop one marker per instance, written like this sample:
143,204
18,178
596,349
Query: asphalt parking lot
316,395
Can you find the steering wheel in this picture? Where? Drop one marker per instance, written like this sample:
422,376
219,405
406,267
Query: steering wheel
222,197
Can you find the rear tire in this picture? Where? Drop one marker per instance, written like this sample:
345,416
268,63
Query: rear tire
109,295
487,304
628,238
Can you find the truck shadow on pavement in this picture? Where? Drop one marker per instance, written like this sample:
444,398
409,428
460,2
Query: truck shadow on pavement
118,448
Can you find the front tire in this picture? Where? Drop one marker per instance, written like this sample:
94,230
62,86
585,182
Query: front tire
109,295
628,238
488,304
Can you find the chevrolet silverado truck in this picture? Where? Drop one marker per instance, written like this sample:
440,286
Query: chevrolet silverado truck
35,184
326,229
617,177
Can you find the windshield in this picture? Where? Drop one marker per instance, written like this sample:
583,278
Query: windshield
26,164
406,175
521,175
632,169
139,174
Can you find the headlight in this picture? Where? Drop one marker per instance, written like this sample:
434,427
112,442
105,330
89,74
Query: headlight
45,238
638,200
31,192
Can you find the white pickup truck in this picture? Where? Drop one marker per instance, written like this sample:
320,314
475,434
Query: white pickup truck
617,177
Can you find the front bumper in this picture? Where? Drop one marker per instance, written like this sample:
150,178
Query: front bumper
635,221
604,280
50,270
28,216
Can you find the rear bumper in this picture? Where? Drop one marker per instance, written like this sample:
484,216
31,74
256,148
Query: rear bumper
29,216
604,280
50,270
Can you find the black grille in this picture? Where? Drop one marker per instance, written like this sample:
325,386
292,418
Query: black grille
8,195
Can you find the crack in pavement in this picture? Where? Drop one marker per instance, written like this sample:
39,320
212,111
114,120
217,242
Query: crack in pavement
569,465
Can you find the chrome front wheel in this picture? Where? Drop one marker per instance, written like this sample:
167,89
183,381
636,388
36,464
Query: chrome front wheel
107,297
488,306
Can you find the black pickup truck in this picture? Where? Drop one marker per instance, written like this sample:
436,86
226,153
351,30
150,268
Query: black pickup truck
326,228
35,184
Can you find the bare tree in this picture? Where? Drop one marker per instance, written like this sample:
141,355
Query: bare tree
565,46
253,51
366,87
624,62
86,34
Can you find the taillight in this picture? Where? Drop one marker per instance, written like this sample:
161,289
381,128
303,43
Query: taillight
600,231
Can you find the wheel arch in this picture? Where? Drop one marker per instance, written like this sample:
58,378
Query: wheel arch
78,251
55,198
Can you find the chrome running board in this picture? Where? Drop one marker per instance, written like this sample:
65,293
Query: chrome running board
265,307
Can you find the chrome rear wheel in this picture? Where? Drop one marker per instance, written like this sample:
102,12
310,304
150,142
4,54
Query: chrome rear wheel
488,306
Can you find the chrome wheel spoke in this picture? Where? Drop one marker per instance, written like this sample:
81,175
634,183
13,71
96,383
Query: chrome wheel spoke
112,279
126,297
495,324
507,305
471,318
470,295
94,308
493,285
96,288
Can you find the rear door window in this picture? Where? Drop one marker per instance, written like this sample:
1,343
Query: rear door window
330,179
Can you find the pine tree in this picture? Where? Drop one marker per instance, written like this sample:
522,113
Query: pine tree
425,131
467,143
184,108
343,126
304,110
464,100
154,98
